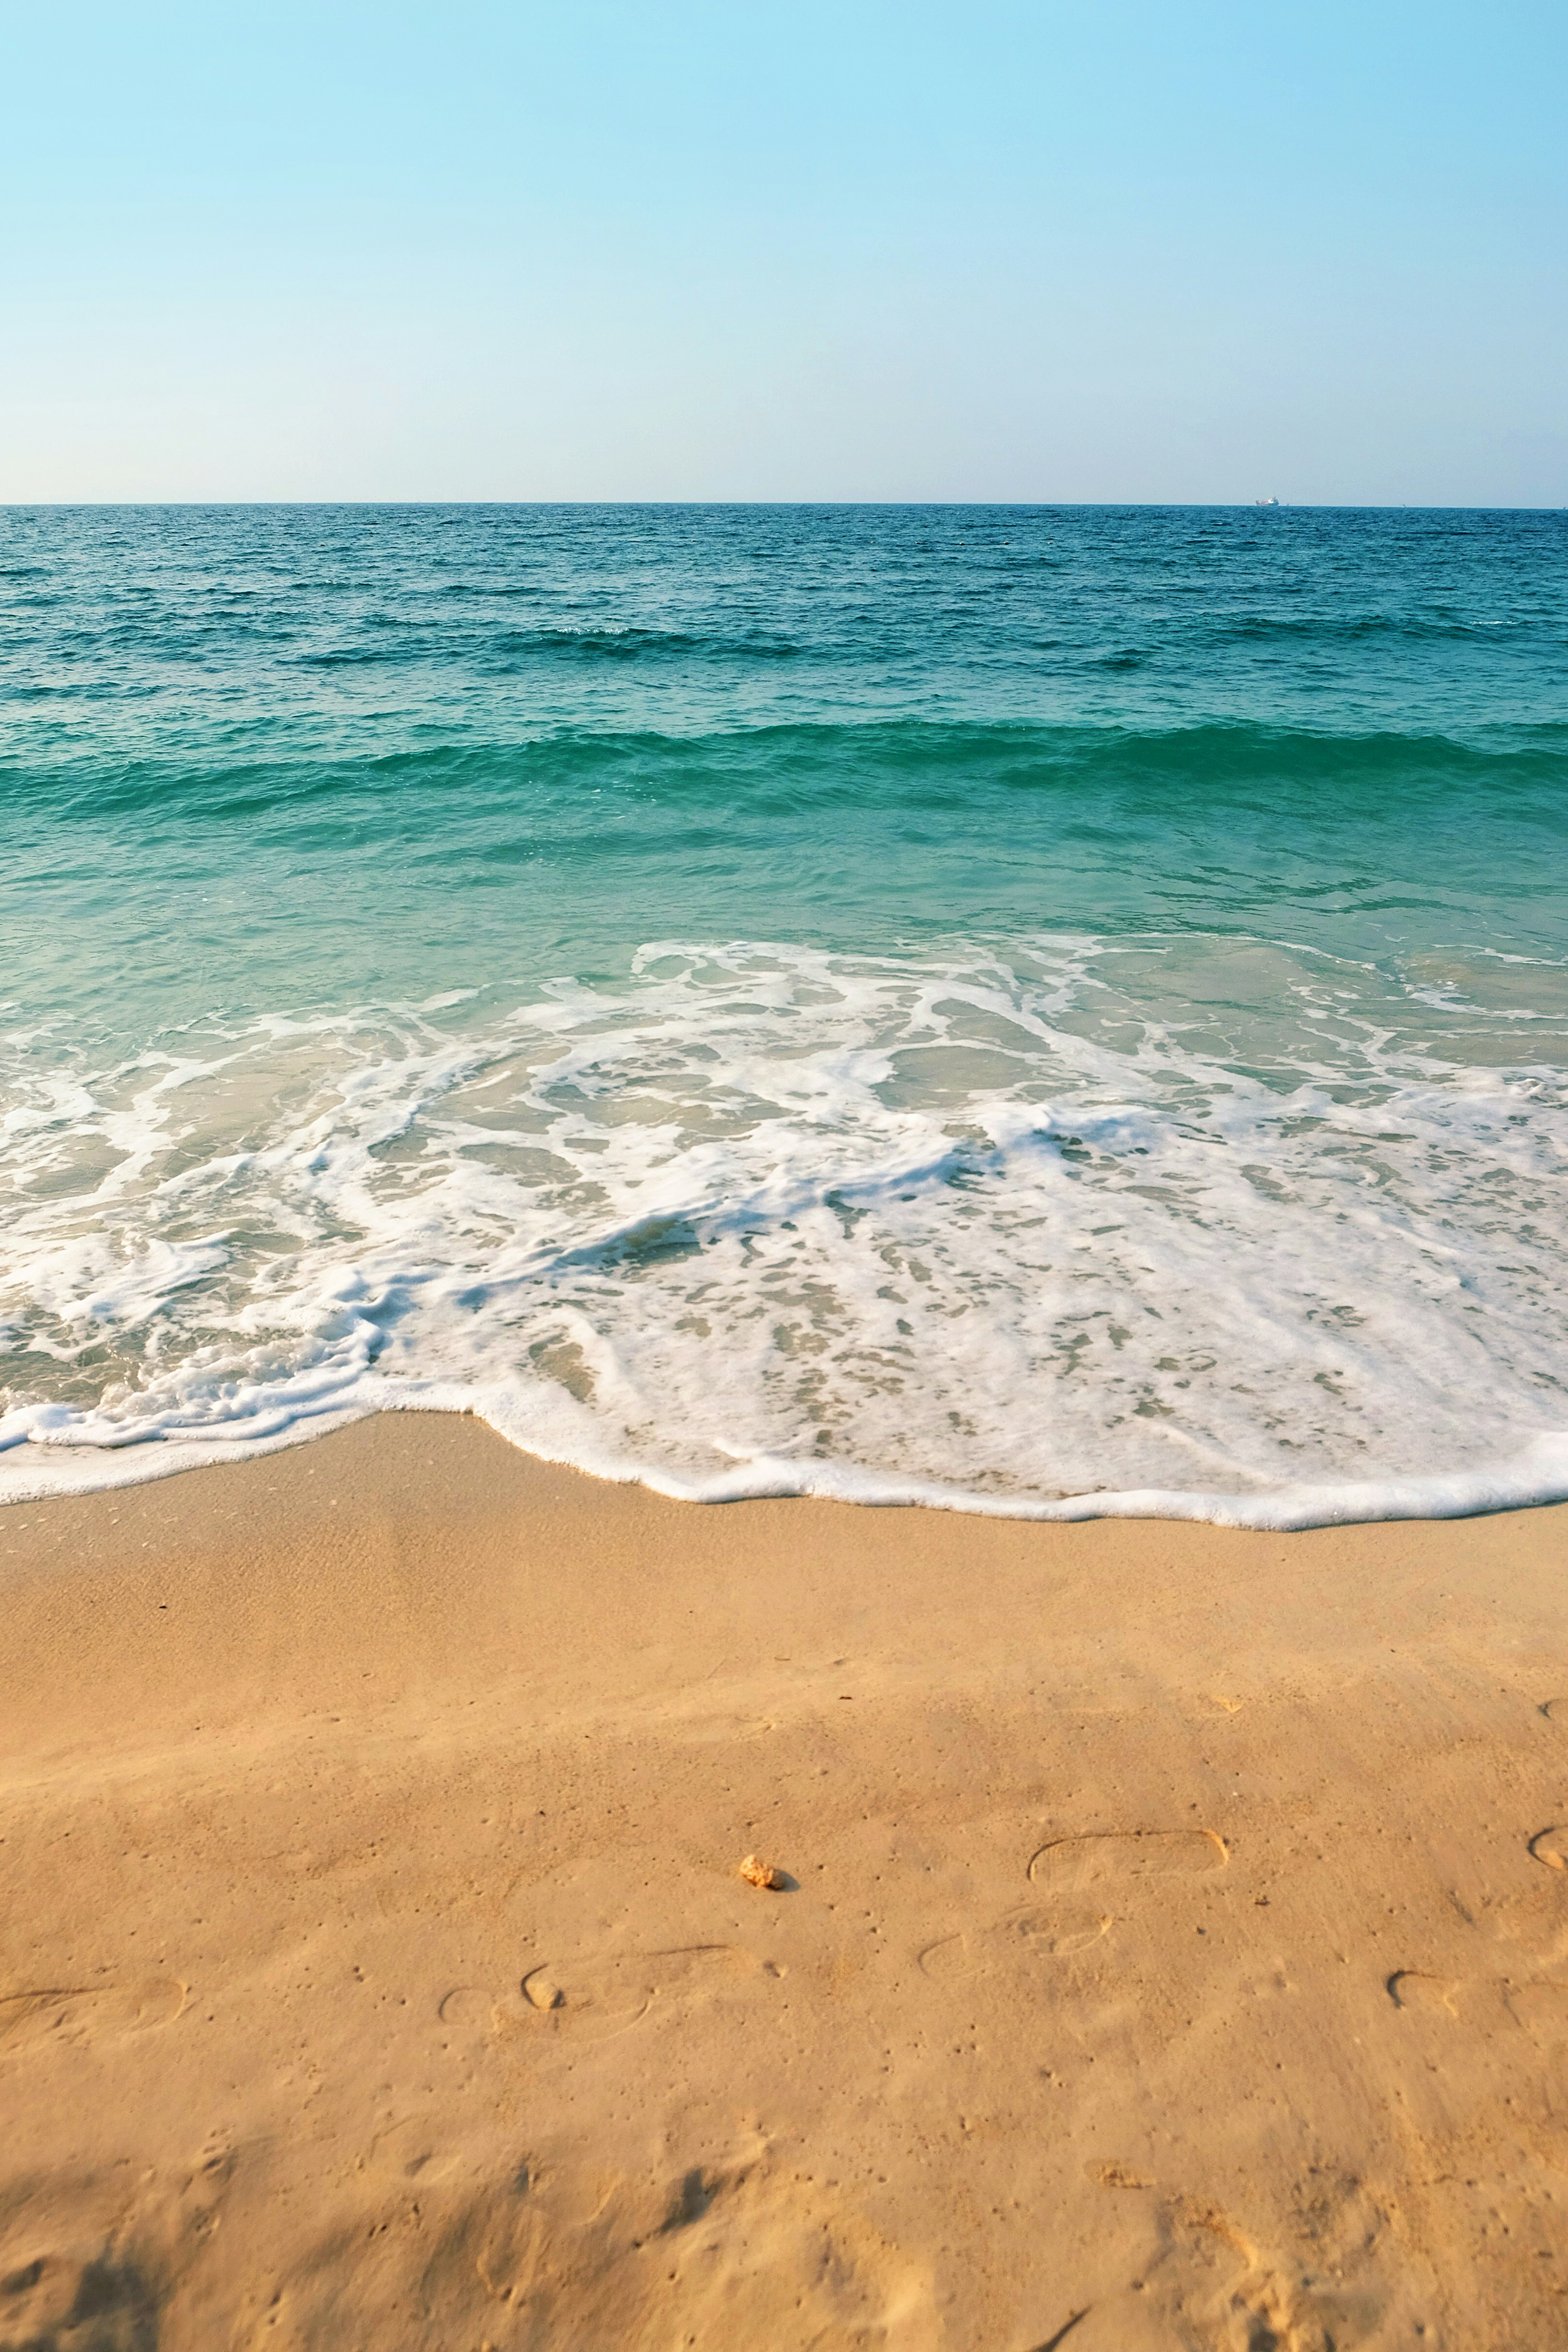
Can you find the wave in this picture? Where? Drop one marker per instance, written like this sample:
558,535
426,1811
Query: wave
1329,631
510,646
1535,1478
1232,764
1004,1229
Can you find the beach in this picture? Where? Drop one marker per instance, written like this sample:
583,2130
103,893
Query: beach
870,1190
1172,1948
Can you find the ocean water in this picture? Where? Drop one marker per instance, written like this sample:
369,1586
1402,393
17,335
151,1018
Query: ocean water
1056,1010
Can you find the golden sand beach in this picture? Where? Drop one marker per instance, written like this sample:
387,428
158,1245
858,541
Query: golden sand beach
1173,1948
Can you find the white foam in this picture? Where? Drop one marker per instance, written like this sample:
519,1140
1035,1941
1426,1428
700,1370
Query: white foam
1218,1230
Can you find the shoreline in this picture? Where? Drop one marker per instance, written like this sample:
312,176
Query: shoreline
1534,1478
1176,1950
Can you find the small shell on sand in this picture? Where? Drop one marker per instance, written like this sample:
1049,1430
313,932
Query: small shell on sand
761,1874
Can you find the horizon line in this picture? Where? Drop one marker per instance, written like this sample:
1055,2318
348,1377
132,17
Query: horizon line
1223,506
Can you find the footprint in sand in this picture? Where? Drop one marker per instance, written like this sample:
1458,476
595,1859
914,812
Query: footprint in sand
1096,1864
57,2017
411,2150
1030,1938
1540,2008
1068,1865
470,2018
745,2251
588,2000
1412,1988
58,2299
467,2008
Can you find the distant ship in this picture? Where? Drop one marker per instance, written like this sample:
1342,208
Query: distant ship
1265,502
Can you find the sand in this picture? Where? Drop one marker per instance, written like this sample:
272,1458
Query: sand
1173,1949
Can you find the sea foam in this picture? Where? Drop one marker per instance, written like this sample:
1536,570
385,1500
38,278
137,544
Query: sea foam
1054,1228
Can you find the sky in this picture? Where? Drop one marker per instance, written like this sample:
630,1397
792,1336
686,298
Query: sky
1111,250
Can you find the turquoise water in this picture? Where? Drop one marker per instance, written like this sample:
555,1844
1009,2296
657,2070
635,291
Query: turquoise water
1059,1009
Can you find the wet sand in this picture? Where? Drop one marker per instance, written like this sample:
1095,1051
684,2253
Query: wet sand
1174,1952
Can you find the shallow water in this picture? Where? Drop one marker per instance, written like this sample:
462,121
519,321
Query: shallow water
1057,1009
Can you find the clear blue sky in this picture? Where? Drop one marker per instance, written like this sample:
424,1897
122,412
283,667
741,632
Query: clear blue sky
1115,249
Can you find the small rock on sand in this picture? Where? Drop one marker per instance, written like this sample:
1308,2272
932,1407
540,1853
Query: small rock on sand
761,1874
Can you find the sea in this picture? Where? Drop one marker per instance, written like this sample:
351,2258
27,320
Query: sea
1048,1011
